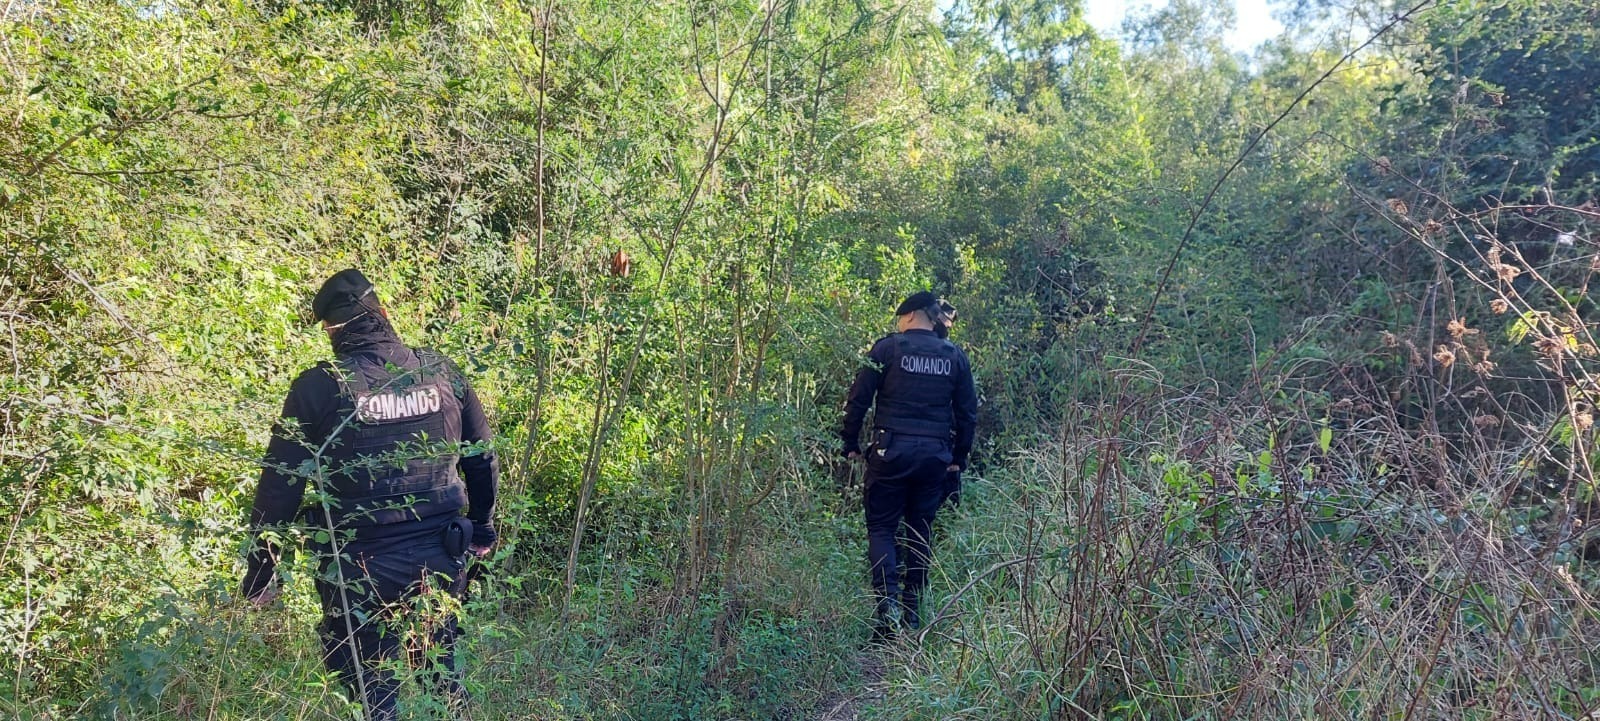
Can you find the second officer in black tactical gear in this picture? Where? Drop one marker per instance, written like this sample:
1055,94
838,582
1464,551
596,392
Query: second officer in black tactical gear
922,430
385,448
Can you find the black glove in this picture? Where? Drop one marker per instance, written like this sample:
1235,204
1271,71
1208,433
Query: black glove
850,448
952,488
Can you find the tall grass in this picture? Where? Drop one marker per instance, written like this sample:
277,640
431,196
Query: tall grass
1205,560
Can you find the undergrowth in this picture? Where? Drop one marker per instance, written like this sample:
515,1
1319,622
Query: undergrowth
1204,562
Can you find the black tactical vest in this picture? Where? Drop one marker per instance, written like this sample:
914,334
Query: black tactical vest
919,385
396,439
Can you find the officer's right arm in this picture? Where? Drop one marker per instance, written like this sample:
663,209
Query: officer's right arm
965,406
862,393
282,486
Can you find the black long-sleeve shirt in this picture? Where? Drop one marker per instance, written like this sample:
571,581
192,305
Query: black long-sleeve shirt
309,415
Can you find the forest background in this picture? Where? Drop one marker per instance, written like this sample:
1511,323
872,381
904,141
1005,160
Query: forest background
1285,356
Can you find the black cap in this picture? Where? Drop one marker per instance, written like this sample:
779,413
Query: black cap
342,297
920,300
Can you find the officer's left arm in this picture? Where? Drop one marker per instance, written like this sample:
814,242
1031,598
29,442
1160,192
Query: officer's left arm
480,470
965,405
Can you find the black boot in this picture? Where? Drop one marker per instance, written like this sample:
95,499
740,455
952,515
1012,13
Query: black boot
885,621
911,609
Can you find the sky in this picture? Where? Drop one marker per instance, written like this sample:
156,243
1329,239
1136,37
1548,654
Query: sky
1253,23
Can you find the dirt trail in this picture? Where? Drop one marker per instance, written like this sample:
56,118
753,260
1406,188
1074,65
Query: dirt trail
847,708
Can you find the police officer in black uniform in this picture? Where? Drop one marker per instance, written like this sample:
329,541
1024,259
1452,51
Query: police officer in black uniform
922,431
385,447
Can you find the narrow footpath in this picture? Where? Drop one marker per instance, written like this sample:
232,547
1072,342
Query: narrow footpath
848,708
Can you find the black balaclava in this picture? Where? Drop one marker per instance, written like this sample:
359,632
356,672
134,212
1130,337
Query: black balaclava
365,330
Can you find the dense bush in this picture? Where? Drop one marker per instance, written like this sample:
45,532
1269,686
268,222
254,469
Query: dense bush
1324,442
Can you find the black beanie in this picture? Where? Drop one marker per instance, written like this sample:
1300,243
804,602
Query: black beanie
920,300
342,297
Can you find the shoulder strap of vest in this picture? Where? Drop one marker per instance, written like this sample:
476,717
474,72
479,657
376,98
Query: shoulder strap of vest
899,340
351,381
437,365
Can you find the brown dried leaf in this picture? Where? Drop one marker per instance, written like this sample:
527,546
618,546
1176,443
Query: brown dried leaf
1549,347
1444,356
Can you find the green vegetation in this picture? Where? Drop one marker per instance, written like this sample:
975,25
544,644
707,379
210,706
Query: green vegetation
1288,404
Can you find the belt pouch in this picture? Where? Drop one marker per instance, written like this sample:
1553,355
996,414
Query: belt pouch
457,535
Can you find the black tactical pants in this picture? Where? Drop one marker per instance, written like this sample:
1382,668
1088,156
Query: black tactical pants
904,484
390,587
